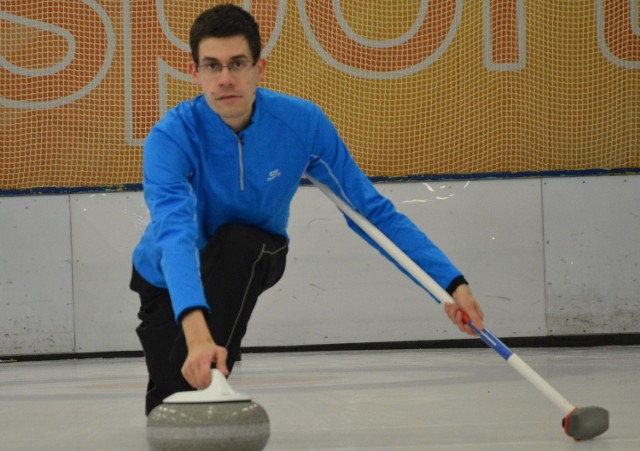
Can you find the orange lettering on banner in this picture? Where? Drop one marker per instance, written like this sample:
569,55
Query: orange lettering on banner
618,30
58,56
504,31
150,45
426,41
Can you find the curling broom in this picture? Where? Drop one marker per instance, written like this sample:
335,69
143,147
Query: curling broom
581,423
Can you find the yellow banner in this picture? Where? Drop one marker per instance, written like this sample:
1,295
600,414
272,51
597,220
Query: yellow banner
415,87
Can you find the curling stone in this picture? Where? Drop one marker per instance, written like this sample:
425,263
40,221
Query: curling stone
216,418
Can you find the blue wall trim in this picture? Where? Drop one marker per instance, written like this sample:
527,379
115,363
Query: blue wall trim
132,187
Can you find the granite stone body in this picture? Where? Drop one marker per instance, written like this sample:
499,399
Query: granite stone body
237,426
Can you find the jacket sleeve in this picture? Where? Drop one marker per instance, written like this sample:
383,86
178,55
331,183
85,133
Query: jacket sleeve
172,204
332,165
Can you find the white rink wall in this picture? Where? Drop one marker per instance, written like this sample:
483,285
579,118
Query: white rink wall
545,256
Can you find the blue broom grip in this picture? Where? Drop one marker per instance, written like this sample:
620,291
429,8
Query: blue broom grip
492,341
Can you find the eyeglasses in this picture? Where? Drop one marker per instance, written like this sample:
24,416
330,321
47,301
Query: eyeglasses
236,67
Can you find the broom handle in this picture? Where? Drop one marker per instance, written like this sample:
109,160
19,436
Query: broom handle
441,295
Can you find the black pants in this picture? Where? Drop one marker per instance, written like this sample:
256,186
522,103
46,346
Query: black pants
237,265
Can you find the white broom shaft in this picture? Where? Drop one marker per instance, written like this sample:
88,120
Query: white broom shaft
389,246
440,294
537,381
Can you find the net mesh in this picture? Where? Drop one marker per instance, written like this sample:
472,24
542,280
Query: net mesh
415,87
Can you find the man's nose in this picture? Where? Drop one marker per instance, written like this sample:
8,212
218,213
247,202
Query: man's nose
225,77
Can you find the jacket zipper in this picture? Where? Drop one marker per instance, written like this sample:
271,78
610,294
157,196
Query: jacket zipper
240,162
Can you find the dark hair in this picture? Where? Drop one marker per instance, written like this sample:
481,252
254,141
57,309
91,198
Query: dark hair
224,21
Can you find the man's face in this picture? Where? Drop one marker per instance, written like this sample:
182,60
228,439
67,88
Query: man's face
230,91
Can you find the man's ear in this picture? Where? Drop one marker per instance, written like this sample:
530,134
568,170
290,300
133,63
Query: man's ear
193,70
262,68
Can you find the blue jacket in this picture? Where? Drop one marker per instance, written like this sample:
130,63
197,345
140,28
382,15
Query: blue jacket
199,174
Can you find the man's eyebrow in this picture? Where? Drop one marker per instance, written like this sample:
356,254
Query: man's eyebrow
211,59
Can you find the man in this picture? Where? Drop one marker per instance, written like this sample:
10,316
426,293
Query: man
219,175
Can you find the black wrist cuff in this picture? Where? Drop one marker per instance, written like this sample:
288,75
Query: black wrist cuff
185,312
455,283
